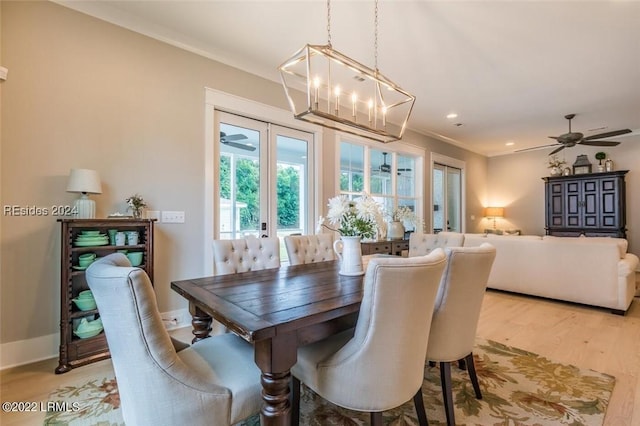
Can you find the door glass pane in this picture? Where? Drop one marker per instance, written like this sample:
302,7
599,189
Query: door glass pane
351,167
454,186
438,198
291,183
239,181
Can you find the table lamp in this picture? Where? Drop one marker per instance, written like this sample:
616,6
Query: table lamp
85,182
494,212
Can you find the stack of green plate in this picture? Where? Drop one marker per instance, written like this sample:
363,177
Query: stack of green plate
90,239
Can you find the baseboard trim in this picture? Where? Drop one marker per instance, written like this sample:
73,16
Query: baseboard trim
21,352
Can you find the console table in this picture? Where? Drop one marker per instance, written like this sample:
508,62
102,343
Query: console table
385,247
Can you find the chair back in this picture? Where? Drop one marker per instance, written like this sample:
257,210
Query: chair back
421,244
309,248
245,254
155,385
457,308
383,363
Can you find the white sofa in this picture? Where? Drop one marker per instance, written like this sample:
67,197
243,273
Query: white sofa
593,271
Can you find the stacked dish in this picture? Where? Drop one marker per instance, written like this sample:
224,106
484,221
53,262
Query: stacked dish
88,329
85,301
90,239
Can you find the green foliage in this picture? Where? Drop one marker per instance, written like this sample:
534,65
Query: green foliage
247,190
288,188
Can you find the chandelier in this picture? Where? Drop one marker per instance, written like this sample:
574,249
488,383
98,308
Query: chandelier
343,94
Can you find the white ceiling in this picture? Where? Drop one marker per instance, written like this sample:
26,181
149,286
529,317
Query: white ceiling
511,70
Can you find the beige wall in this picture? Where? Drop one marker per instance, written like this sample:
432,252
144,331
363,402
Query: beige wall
85,93
515,181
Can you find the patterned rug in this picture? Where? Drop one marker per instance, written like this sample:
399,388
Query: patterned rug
518,387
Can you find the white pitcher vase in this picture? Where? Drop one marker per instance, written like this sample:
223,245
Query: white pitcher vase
349,252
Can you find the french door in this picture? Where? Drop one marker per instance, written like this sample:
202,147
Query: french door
447,198
265,179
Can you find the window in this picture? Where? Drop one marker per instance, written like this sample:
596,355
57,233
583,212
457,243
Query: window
391,176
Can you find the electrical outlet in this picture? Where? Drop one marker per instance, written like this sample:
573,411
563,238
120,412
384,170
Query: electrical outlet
172,216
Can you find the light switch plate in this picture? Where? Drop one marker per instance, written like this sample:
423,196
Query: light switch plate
172,216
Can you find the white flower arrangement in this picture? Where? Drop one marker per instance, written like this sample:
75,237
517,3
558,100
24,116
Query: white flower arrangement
405,215
360,217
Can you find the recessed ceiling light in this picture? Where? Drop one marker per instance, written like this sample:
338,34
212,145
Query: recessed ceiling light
510,143
452,115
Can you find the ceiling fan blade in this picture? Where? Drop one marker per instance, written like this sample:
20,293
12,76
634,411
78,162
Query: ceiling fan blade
234,137
556,150
535,147
554,137
239,145
599,143
608,135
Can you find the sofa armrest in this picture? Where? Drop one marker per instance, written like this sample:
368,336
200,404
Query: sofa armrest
628,265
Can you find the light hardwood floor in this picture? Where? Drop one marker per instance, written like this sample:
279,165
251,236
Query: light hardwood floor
583,336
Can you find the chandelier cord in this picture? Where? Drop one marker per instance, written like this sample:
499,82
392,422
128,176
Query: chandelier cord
375,42
329,22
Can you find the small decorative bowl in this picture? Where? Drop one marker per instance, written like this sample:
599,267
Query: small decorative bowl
88,333
85,294
135,257
85,303
96,233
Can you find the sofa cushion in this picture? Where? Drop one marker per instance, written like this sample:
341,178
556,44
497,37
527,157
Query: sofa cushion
621,243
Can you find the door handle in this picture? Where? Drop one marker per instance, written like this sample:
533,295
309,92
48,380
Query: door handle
264,236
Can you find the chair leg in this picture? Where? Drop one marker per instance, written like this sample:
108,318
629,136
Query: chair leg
376,418
462,365
420,411
471,367
295,401
447,394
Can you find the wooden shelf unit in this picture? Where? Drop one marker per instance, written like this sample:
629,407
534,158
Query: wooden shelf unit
75,352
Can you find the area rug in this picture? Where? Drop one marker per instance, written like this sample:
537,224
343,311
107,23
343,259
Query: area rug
518,387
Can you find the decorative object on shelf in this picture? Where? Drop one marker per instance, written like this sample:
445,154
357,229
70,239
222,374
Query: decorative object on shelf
582,165
566,171
84,181
600,156
396,230
406,216
494,212
136,204
608,165
349,252
555,165
343,94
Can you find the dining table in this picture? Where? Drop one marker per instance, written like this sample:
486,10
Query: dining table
276,310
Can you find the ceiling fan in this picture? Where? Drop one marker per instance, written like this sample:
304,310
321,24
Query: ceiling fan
386,168
230,141
571,139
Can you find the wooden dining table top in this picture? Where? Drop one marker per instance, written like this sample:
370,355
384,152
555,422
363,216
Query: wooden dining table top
261,304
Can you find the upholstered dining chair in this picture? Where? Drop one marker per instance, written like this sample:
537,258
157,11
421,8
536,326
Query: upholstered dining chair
421,244
309,248
456,314
380,365
245,254
214,381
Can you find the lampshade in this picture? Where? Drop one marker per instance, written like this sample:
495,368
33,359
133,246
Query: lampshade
494,212
85,181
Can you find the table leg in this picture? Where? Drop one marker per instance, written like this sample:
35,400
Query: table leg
275,357
201,323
